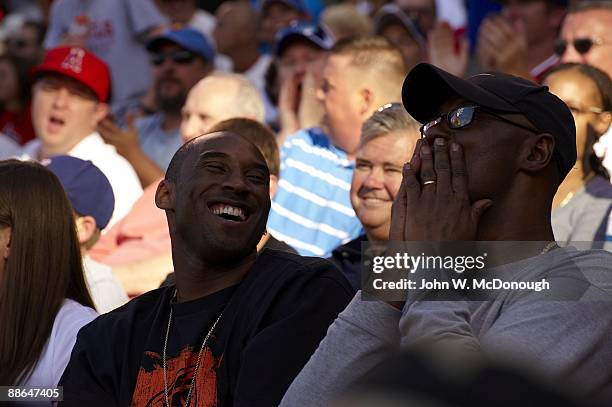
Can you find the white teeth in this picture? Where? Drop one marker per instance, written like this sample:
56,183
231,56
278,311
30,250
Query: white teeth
221,209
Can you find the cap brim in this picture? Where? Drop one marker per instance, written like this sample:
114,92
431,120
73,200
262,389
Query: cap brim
154,44
293,37
40,70
426,88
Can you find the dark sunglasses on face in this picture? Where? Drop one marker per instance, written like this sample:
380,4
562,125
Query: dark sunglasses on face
181,57
19,43
581,45
463,116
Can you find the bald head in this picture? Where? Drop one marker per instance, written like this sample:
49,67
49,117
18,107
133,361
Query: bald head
219,96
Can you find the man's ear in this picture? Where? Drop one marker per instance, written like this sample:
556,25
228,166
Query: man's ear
86,227
164,196
273,185
102,110
537,152
602,122
366,102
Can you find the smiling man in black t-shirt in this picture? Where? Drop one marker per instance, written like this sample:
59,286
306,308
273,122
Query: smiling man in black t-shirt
238,326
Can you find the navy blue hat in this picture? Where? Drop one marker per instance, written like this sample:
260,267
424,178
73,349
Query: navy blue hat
390,13
297,5
312,33
87,187
188,38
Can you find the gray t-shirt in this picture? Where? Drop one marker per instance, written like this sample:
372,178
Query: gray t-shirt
116,29
585,217
156,143
568,341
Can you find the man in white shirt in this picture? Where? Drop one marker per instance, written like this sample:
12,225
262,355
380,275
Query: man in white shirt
70,96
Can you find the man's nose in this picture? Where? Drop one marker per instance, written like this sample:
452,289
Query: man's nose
61,97
234,181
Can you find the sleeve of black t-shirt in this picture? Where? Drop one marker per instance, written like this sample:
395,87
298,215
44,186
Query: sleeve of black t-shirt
105,359
88,378
292,328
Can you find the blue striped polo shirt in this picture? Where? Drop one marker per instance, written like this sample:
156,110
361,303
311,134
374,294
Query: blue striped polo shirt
312,208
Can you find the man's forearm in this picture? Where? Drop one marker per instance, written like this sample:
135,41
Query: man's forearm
362,336
148,172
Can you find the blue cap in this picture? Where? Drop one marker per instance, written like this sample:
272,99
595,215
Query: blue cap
188,38
297,5
390,13
87,187
312,33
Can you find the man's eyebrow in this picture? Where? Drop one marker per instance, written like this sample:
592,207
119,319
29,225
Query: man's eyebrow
212,154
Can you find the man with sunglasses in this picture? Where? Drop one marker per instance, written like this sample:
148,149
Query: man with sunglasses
586,38
180,58
494,149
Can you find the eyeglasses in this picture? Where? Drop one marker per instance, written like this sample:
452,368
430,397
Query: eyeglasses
581,45
181,57
463,116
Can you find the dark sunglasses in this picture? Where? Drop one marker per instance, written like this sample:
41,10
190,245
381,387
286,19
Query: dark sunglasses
178,57
19,43
581,45
463,116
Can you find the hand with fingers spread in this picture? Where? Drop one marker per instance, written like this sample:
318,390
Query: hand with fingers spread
502,46
433,201
441,50
126,141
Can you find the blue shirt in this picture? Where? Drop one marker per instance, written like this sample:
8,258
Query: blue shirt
156,143
312,210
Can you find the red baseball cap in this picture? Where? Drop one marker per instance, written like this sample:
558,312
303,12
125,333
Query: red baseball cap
79,64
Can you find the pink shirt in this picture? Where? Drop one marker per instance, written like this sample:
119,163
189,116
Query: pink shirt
141,234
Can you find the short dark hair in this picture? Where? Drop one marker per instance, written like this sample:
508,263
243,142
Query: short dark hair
174,169
251,130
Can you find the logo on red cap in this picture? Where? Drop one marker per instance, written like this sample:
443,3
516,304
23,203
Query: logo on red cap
74,60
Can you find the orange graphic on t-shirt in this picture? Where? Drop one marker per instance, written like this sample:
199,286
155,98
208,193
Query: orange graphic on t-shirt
149,389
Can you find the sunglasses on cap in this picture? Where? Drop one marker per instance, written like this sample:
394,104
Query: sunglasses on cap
181,57
581,45
462,117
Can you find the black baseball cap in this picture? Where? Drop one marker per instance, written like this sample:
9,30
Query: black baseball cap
561,3
426,88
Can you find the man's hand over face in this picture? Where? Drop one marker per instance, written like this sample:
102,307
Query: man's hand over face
503,47
433,202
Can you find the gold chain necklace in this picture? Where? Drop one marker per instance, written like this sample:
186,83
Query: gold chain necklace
548,247
197,367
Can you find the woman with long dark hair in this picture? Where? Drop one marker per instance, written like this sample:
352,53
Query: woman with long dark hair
583,201
44,300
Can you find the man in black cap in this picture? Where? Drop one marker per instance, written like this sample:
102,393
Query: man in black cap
494,150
